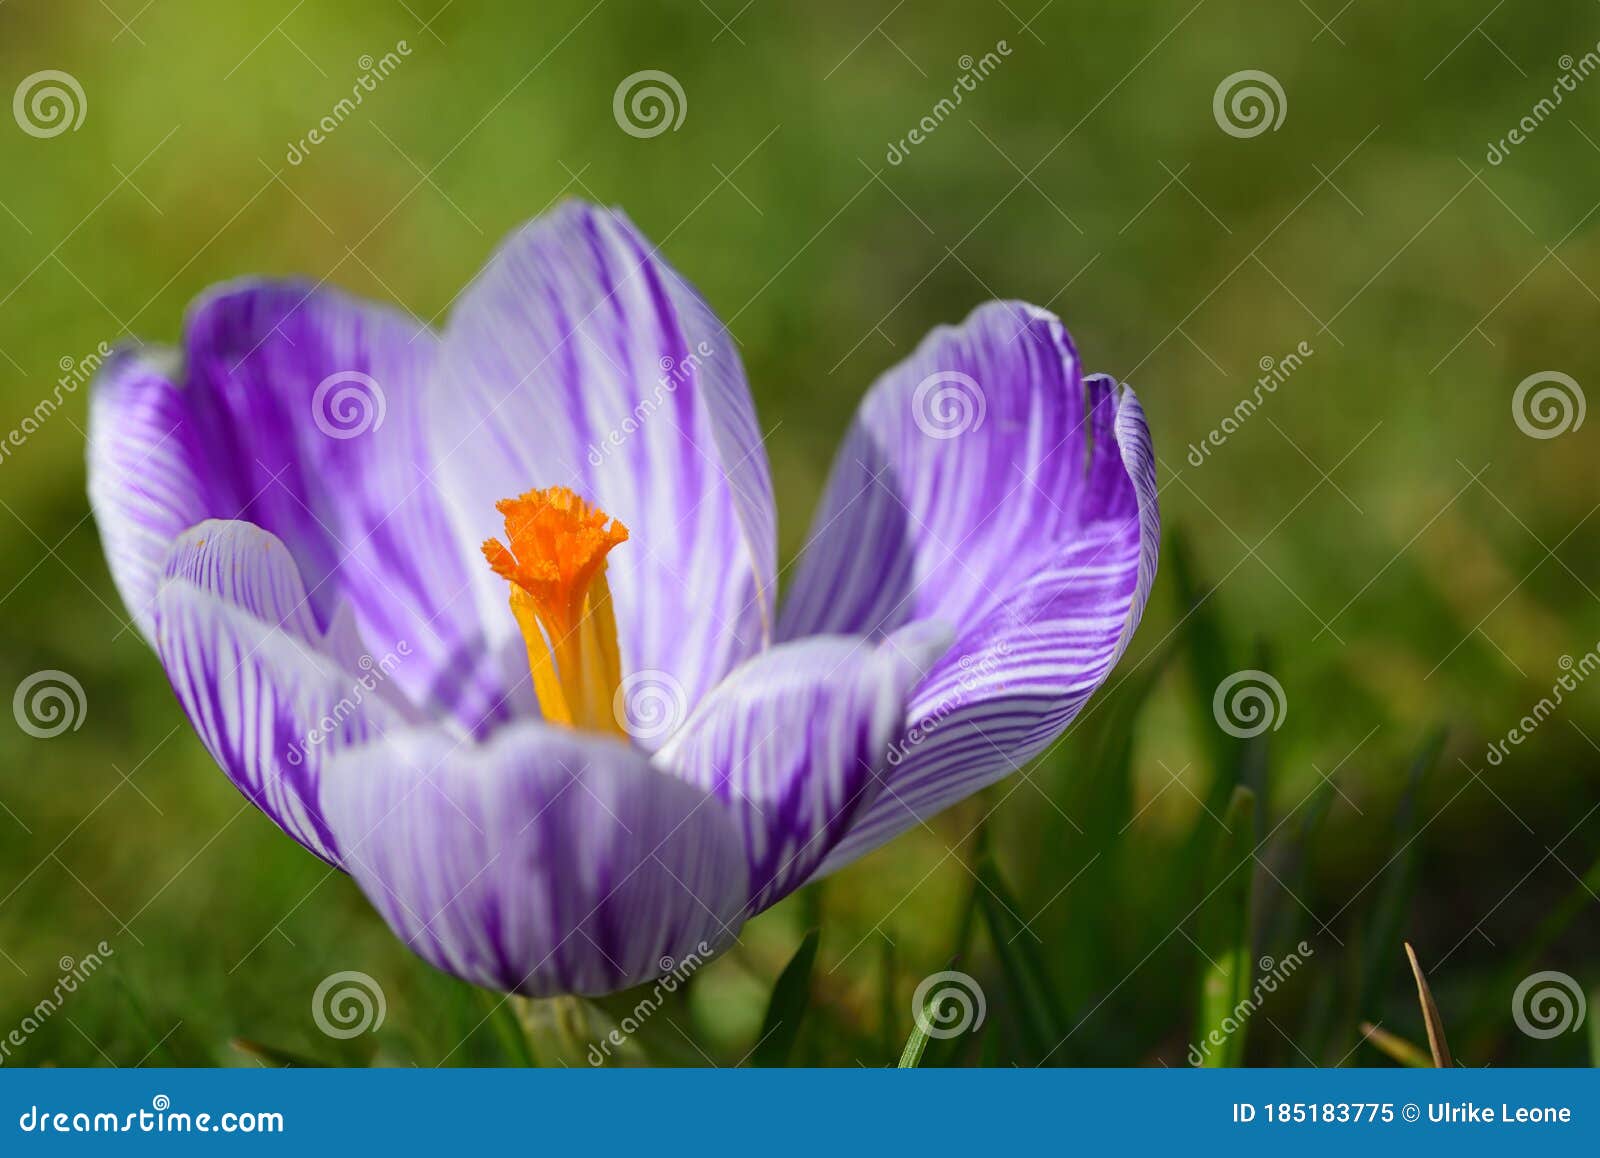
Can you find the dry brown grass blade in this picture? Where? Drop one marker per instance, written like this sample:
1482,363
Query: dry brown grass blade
1430,1014
1397,1048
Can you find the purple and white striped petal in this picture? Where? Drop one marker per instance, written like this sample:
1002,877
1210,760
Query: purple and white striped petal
144,486
300,410
270,693
579,358
543,861
798,740
986,484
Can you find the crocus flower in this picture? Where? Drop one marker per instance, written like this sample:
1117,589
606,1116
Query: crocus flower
488,618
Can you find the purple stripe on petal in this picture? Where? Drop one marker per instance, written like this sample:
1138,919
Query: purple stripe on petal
579,358
799,740
543,861
986,484
269,692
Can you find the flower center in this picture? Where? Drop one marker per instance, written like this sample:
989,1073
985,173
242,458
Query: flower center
556,566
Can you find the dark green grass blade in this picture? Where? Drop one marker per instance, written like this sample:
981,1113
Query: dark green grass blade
786,1010
1085,891
1487,1025
1209,663
888,1006
1033,998
1227,965
1290,922
507,1028
1385,929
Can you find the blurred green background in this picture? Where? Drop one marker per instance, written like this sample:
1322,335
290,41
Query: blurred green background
1381,535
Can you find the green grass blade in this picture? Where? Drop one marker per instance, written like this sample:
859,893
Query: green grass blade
917,1043
888,1007
1227,965
786,1010
1487,1024
508,1028
1086,894
1386,928
1209,663
1038,1006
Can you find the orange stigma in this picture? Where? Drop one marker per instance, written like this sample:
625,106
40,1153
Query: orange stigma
556,566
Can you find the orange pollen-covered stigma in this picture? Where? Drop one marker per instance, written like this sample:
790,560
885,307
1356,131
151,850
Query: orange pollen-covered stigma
556,565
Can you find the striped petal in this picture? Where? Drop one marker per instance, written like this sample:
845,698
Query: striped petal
269,692
300,410
986,484
798,740
144,482
578,358
543,861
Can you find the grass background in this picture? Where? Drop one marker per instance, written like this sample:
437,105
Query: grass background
1380,536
